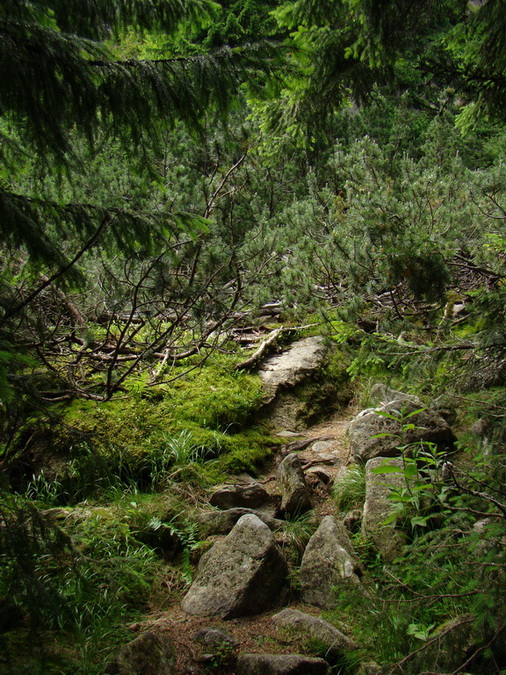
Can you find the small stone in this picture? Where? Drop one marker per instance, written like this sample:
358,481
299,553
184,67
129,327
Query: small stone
334,641
280,664
249,495
214,638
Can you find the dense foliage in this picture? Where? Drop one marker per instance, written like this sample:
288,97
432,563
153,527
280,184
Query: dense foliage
170,173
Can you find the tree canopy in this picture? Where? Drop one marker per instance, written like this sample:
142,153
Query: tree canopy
98,95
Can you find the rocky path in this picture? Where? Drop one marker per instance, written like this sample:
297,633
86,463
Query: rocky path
283,525
326,451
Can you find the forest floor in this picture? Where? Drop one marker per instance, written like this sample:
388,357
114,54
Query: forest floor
258,634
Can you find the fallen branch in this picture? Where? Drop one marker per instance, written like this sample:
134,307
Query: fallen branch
478,651
438,637
258,353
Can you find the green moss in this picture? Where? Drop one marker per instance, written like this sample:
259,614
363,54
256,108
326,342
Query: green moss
214,398
247,451
328,390
176,432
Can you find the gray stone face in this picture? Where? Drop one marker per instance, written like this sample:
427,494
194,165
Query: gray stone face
241,576
295,495
429,426
292,366
388,540
280,664
248,495
152,653
328,635
328,562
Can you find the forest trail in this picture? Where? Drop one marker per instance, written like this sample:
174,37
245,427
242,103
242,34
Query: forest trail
327,448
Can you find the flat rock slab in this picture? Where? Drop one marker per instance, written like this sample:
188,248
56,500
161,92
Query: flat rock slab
292,366
387,539
328,562
241,576
328,449
280,664
334,641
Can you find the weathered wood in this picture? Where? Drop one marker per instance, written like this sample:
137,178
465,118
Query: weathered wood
257,354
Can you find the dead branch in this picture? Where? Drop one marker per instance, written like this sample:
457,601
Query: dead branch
258,353
479,650
438,637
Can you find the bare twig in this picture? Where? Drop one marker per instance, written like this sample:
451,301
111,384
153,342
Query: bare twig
258,353
478,651
438,637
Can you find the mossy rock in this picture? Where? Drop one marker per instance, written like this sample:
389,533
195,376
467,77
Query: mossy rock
326,391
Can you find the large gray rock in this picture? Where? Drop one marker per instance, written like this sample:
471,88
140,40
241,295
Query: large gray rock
152,653
247,495
292,366
221,522
388,539
295,495
315,628
240,576
280,664
328,562
429,426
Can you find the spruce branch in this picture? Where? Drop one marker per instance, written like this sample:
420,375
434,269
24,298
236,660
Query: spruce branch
10,313
437,638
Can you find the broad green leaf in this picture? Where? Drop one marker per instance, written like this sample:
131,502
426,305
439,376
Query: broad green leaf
383,413
391,519
415,412
408,427
387,468
410,470
421,521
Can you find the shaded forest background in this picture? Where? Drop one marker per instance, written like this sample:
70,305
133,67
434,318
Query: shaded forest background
169,173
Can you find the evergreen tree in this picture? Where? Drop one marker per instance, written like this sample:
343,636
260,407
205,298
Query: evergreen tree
437,51
65,95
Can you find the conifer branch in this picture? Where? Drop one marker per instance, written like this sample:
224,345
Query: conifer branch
437,638
59,273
